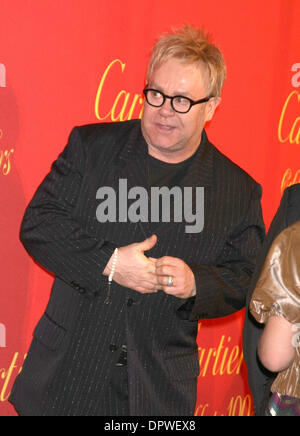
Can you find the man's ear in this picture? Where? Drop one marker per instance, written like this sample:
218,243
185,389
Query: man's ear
211,106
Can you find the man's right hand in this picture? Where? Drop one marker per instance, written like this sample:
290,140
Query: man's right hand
134,270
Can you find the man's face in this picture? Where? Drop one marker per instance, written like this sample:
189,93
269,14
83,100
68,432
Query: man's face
171,136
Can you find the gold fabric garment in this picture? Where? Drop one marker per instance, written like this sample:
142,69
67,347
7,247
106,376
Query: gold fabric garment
277,293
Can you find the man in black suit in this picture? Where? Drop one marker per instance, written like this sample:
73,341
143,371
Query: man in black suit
131,280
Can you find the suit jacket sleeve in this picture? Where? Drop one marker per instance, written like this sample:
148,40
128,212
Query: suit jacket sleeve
51,234
222,288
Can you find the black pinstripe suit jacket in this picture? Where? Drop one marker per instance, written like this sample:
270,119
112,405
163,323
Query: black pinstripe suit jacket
76,343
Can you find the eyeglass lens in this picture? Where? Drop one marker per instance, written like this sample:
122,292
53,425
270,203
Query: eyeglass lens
157,99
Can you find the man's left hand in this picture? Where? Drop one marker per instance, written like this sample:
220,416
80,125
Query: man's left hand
183,280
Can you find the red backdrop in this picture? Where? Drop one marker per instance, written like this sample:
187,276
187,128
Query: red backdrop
71,62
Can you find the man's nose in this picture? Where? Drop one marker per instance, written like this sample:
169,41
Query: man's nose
166,109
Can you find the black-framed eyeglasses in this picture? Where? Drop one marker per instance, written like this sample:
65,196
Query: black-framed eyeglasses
179,103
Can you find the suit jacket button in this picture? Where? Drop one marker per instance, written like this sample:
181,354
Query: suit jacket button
75,286
130,302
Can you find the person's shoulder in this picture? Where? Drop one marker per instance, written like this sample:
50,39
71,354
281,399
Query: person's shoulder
290,232
293,193
286,245
95,131
231,172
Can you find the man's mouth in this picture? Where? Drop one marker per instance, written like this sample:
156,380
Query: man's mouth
164,127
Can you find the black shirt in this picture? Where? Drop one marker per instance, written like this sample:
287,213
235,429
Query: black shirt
169,175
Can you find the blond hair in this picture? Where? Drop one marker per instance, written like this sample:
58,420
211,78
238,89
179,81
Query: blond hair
191,45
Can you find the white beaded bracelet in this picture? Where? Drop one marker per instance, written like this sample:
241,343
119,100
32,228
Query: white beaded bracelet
113,266
110,277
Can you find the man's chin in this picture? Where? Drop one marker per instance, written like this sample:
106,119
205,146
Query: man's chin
163,150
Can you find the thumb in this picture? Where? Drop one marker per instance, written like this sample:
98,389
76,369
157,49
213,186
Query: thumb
148,243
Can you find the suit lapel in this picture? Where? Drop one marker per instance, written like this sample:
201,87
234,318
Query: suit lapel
201,169
132,167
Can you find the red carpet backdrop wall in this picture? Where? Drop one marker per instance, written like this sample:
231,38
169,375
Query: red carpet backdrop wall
70,62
